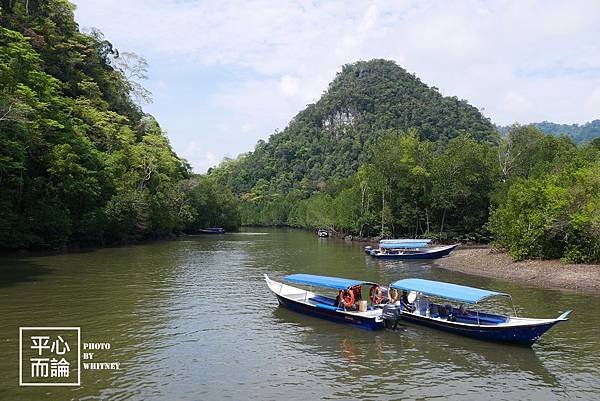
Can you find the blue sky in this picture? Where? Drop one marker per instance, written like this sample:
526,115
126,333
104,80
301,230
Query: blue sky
224,74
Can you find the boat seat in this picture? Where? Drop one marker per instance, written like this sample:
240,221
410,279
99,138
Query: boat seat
322,300
325,306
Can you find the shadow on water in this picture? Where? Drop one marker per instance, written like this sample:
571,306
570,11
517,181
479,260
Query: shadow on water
414,347
19,271
478,354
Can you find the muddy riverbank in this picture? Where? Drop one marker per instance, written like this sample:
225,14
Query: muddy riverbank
489,262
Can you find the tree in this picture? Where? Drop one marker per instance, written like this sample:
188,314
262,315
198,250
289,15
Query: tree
553,215
79,160
134,69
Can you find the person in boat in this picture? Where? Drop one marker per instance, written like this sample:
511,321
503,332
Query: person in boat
405,303
357,290
385,292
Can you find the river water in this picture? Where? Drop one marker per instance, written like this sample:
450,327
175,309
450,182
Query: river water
192,319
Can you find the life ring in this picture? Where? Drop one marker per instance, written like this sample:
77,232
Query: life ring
393,295
376,295
347,298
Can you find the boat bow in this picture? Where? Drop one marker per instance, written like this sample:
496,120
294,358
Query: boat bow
564,317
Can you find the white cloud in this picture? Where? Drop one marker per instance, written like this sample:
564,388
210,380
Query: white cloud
524,61
592,104
196,154
288,86
515,104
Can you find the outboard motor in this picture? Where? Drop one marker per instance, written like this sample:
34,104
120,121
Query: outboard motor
391,315
368,249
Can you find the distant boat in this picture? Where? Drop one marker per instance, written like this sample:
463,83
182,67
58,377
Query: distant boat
408,249
323,233
345,308
212,230
417,308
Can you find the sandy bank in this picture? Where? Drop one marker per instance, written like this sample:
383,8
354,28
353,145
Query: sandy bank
489,262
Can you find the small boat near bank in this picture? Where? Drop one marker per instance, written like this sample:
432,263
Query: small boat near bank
348,307
408,249
419,309
212,230
323,233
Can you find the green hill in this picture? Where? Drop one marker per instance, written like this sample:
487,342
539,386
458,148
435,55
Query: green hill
579,133
329,138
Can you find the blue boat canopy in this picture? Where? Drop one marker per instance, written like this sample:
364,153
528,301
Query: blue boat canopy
404,240
445,290
324,281
399,245
403,243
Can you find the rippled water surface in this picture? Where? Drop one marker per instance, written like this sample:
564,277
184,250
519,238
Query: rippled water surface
192,319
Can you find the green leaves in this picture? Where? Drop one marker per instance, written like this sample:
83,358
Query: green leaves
79,162
554,212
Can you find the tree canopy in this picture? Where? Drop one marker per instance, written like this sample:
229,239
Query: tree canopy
579,133
79,159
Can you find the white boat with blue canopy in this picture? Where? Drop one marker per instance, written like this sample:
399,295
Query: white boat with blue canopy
418,307
408,248
347,307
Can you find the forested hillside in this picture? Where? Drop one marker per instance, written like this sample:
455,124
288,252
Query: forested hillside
380,154
79,159
351,143
330,138
579,133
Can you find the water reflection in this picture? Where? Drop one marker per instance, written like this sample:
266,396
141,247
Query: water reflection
414,348
17,271
193,319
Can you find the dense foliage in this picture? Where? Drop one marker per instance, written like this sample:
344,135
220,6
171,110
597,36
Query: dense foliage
79,160
579,133
550,204
406,187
